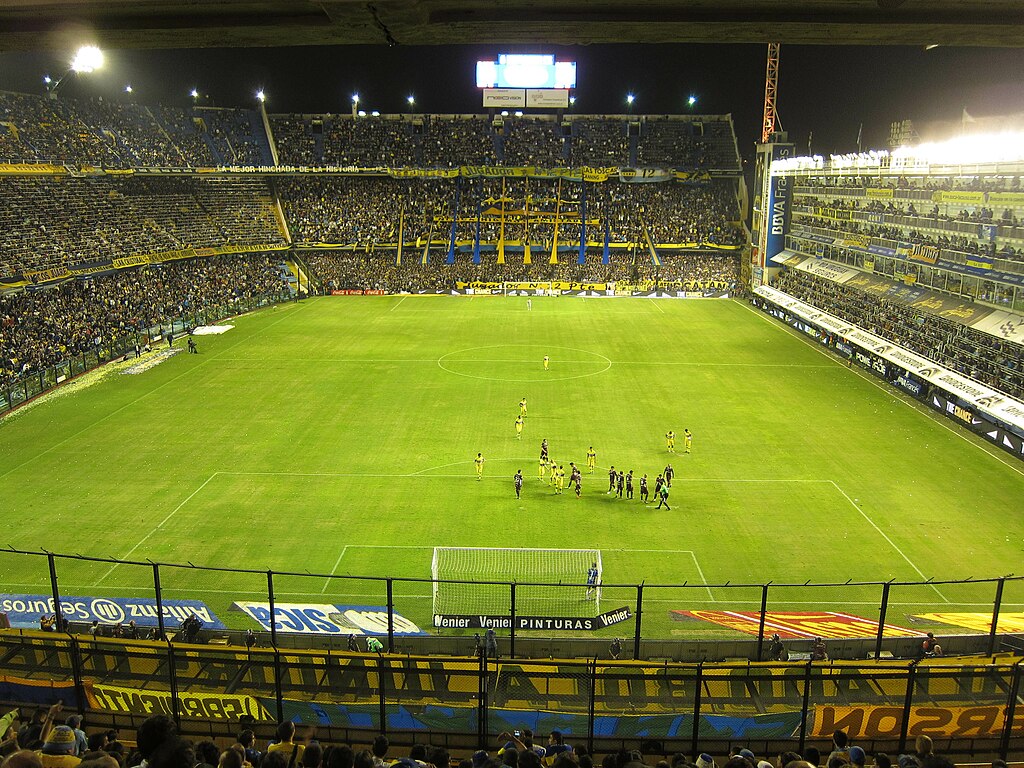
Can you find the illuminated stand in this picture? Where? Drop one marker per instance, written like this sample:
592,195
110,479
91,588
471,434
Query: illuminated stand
772,208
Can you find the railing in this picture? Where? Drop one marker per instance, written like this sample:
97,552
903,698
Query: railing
34,383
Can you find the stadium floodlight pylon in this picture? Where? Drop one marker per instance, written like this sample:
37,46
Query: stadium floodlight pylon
475,581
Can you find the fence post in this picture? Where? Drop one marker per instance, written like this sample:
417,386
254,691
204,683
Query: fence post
1011,706
882,609
76,670
592,705
995,616
159,602
391,616
908,700
58,614
803,708
381,684
639,620
278,696
481,715
760,625
695,735
512,629
172,680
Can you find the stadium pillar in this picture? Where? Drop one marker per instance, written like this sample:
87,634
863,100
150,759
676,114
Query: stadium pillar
695,735
158,593
760,627
592,705
391,616
882,608
58,615
803,708
381,680
1011,707
908,701
512,628
639,620
995,616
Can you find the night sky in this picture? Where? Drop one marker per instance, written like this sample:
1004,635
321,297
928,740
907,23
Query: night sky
824,91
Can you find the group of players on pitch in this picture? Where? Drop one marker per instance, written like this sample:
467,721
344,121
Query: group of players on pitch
618,482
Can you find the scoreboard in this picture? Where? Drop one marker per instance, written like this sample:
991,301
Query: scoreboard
526,80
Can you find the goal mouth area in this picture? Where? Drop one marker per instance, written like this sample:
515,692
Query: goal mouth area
548,581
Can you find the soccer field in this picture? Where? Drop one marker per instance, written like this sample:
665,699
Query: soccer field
337,436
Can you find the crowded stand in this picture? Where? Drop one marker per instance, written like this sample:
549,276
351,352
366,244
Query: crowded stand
996,362
39,329
600,142
58,221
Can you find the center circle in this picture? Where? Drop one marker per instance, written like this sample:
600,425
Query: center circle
523,363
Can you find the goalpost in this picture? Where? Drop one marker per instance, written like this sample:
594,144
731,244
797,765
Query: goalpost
457,574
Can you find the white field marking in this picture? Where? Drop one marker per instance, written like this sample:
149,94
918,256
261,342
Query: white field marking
206,359
934,417
655,302
376,595
158,527
890,541
335,568
608,363
399,302
711,595
531,361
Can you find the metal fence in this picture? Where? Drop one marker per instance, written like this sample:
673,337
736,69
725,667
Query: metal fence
34,383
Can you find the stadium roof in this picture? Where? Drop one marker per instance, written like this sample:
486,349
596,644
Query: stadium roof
29,25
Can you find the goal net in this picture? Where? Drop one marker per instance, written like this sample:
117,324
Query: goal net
562,571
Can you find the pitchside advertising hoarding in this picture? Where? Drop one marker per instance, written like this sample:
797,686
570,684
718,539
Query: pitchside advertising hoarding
328,618
558,623
24,611
777,210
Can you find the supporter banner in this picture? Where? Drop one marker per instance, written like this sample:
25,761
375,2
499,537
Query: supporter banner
410,173
692,176
207,706
964,198
24,610
792,625
560,623
642,175
47,275
1006,198
39,692
184,253
31,169
1009,623
978,264
123,262
1005,325
81,270
927,254
328,618
874,722
878,193
837,273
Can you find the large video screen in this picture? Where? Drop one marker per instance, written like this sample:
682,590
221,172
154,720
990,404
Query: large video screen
525,71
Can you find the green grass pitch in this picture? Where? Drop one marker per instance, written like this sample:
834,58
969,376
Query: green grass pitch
338,436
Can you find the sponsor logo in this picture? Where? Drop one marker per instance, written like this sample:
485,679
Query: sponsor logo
793,625
24,610
327,618
562,623
209,706
887,722
980,622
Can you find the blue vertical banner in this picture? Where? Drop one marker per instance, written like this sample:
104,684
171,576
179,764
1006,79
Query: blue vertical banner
583,223
779,206
476,237
455,221
605,255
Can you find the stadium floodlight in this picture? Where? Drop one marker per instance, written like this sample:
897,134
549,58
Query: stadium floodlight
411,100
630,98
128,88
572,100
519,113
692,101
967,150
87,59
355,98
261,97
504,113
375,113
194,93
362,113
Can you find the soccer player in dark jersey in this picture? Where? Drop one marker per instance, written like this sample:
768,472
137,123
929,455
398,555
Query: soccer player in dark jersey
629,484
620,483
657,486
544,449
519,482
579,483
591,579
669,474
574,475
643,488
612,474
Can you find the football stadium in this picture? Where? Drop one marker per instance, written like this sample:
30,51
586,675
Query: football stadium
516,437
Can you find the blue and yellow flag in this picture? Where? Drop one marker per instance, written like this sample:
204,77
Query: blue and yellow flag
455,222
605,255
583,224
655,259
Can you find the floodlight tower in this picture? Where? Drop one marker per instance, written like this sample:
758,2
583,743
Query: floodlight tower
771,85
88,58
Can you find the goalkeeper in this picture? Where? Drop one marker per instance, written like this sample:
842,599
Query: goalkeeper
591,579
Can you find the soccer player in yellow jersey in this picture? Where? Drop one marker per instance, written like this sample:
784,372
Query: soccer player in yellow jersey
591,459
522,407
519,427
554,471
542,468
479,461
670,438
688,438
546,362
559,479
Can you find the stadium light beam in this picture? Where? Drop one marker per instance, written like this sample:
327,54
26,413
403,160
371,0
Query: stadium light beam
411,100
87,59
194,93
572,100
630,98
